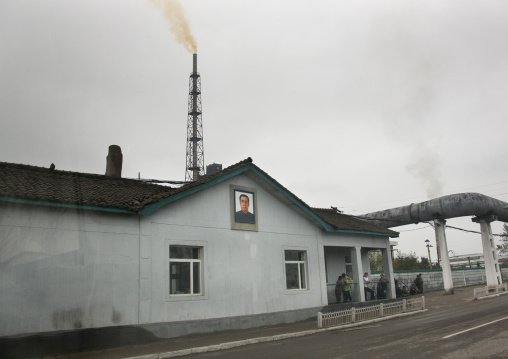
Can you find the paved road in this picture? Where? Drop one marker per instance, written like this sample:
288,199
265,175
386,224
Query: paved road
435,334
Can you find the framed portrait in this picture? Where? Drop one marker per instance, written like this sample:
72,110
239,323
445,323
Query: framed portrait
244,208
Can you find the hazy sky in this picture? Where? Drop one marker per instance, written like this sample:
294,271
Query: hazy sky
362,105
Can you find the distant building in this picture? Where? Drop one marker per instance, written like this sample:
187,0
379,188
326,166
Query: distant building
467,261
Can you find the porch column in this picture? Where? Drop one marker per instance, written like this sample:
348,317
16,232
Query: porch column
489,250
356,261
439,228
388,270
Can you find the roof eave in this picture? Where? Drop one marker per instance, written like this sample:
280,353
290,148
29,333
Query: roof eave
391,235
65,205
152,208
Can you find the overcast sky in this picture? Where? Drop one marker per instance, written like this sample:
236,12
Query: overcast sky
362,105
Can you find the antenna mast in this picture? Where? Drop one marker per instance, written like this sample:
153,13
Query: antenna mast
195,155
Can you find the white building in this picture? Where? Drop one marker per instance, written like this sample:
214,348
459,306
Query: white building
137,262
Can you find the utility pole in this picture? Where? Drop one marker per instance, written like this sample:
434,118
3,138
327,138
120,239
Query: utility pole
428,250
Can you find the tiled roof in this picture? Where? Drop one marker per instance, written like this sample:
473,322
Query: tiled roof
349,223
38,184
42,184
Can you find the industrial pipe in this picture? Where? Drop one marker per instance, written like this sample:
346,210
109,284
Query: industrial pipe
451,206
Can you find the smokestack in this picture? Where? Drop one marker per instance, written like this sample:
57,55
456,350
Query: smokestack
194,154
114,162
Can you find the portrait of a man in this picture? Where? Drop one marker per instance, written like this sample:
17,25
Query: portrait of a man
245,208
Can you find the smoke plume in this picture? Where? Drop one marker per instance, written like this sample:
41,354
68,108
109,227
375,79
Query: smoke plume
173,12
425,166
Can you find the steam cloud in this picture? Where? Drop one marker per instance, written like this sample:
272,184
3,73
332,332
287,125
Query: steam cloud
173,12
426,168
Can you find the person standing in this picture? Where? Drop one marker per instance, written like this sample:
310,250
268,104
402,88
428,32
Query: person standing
347,288
419,283
366,288
339,288
382,286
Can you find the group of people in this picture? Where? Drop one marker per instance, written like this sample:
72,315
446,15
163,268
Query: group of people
416,287
343,289
381,287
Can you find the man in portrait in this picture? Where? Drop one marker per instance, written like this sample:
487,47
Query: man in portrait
243,215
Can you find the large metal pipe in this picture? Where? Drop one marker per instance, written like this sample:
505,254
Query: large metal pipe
451,206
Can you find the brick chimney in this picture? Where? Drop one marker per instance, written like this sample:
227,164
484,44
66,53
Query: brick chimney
114,161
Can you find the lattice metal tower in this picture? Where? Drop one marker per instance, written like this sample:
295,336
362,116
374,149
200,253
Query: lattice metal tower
195,156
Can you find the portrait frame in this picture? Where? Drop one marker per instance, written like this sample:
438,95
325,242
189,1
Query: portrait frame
246,224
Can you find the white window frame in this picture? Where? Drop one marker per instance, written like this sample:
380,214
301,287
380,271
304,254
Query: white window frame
191,261
303,262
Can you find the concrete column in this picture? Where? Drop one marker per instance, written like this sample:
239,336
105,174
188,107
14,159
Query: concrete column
439,228
489,250
356,261
388,270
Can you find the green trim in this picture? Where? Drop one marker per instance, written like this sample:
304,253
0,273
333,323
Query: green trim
152,208
293,198
65,205
307,209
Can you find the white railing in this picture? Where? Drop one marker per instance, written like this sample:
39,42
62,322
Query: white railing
489,290
353,315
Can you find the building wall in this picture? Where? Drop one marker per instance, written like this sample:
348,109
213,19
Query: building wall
243,270
65,269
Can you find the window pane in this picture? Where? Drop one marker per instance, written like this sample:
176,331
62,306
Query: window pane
292,276
349,270
196,275
303,285
179,280
294,256
183,252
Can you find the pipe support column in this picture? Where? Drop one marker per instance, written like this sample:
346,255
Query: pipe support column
439,228
489,250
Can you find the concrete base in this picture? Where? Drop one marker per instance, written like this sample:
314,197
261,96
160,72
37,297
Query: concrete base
73,341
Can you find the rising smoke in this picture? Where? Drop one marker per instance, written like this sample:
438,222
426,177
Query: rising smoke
425,166
173,12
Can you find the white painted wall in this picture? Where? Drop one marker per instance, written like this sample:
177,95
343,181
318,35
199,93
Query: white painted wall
63,269
243,270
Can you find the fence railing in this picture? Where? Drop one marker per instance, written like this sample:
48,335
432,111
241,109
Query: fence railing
353,315
489,290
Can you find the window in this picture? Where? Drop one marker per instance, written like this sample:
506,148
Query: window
349,266
185,270
295,262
